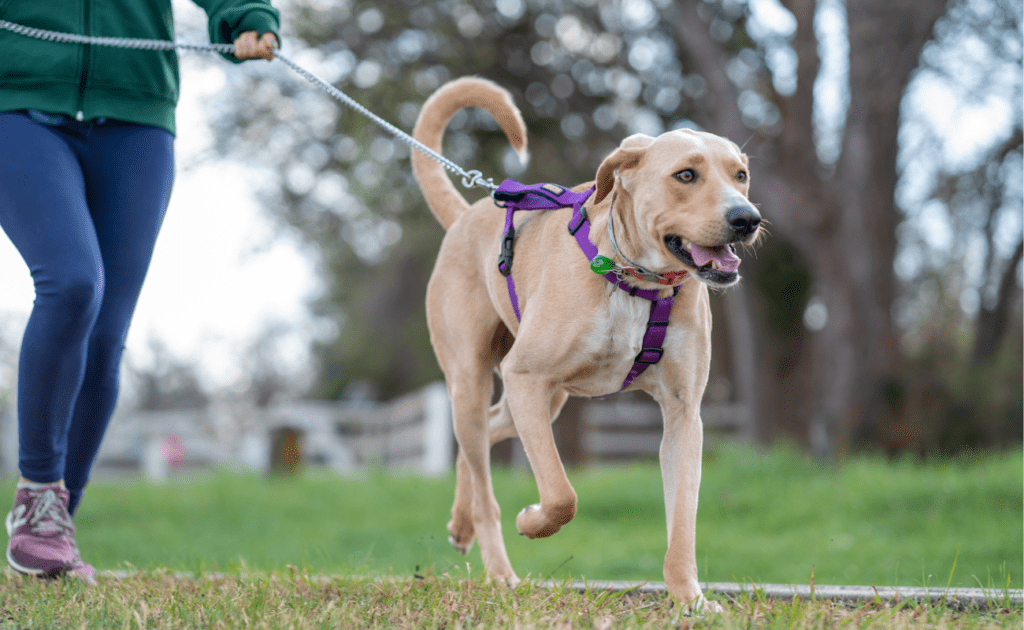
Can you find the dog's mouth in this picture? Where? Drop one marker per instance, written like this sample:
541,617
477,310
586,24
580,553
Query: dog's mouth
716,265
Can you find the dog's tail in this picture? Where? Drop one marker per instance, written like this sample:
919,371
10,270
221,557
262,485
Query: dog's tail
444,199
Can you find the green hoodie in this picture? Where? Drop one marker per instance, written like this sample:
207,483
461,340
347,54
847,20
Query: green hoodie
87,82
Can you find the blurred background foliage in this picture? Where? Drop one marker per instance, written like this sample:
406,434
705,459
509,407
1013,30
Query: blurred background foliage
882,311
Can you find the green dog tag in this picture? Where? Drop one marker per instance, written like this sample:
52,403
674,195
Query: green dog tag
602,264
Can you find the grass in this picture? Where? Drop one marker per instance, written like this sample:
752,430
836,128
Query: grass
296,600
371,552
764,517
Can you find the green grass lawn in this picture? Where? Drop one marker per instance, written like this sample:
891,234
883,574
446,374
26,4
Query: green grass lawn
297,601
767,517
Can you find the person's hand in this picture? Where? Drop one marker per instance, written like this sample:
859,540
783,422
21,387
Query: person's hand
250,45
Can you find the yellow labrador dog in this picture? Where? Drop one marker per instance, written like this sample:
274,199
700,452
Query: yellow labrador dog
677,204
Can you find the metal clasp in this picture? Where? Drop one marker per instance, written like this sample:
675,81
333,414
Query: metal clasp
475,178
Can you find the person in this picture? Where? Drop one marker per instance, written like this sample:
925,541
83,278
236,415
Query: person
86,167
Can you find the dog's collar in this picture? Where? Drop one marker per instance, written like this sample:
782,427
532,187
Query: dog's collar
603,264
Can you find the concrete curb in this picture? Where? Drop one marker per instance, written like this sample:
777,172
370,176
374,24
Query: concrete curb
979,598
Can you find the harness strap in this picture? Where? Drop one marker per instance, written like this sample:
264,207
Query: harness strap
657,322
516,196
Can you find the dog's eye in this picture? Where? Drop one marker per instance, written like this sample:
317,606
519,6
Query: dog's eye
741,177
687,175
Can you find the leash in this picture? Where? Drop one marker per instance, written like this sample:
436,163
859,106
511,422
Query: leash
470,179
514,195
517,197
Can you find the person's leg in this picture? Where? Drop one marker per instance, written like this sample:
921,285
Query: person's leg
130,169
43,210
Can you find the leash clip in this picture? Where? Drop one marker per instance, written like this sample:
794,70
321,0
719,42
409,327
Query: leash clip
475,178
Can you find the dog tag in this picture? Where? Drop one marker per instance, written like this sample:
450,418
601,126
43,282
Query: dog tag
602,264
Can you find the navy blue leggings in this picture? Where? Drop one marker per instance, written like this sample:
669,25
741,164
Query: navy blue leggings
83,203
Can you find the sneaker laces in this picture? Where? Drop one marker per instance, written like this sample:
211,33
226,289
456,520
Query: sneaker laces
46,514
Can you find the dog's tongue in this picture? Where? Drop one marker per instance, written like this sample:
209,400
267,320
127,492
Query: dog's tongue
724,257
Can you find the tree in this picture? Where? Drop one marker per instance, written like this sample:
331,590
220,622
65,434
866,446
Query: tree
975,57
833,217
961,301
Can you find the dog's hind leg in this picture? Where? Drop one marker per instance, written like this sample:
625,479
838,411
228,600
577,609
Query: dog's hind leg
534,405
499,421
463,325
476,510
460,528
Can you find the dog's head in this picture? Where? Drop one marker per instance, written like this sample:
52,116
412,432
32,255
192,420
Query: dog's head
686,194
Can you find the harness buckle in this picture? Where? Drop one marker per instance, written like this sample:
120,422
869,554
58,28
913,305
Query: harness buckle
648,355
505,259
577,220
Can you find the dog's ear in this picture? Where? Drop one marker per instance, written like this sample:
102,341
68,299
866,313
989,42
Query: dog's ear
628,155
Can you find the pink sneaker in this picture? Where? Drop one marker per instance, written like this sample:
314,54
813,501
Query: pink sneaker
79,569
37,527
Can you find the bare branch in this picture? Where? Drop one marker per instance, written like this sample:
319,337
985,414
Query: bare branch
991,324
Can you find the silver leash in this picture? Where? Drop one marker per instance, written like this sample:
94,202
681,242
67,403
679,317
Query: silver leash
470,179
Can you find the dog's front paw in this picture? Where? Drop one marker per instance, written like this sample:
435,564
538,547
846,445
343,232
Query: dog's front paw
535,522
461,537
702,606
510,580
462,548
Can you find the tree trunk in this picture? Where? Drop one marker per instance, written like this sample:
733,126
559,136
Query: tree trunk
857,356
837,232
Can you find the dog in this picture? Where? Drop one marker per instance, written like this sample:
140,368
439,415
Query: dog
678,205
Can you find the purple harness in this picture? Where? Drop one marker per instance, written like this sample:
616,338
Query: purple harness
515,196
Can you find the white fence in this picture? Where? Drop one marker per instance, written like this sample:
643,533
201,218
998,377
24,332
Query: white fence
622,430
412,433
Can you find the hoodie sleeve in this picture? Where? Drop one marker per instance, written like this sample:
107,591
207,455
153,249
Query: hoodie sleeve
230,18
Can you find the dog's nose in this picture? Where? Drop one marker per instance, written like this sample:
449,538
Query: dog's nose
744,219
